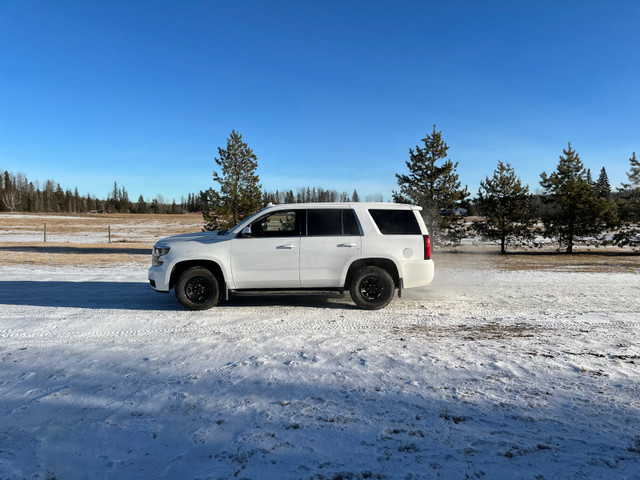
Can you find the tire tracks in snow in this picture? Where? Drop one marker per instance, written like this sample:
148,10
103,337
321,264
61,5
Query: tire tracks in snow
297,321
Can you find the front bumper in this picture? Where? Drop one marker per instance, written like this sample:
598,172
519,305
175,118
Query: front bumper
158,279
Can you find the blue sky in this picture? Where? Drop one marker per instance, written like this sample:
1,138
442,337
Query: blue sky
327,93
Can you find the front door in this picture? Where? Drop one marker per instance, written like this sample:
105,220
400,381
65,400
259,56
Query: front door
270,256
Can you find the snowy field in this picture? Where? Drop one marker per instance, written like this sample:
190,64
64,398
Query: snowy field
487,374
94,228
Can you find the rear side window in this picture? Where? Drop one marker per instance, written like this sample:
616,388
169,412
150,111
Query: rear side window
349,223
396,222
331,222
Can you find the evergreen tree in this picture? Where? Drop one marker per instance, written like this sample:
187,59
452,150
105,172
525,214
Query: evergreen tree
355,197
634,174
59,198
577,210
68,201
629,205
240,192
590,178
142,206
76,200
602,187
505,204
125,203
289,197
433,184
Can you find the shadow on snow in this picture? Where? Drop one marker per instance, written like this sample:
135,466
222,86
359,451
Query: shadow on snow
140,296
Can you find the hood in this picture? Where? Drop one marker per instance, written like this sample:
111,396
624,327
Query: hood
200,237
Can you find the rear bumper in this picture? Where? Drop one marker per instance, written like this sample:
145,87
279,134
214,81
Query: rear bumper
417,273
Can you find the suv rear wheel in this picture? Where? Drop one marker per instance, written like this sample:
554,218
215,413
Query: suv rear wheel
372,288
198,288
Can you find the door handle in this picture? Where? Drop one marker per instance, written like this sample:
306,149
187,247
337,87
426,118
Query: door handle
285,247
347,245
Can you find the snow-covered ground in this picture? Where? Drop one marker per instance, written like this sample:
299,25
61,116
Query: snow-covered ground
486,374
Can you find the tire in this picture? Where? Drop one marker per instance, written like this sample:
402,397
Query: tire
372,288
197,288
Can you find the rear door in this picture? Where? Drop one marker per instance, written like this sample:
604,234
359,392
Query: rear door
332,242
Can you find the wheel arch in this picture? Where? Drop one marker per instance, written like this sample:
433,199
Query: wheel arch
384,263
214,267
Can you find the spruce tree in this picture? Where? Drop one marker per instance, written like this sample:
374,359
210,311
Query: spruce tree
240,192
577,211
505,204
602,187
433,184
142,206
629,205
589,178
289,197
634,174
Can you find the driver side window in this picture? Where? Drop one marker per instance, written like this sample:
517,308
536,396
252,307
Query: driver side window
278,224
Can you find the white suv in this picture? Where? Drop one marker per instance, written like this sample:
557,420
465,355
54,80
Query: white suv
370,249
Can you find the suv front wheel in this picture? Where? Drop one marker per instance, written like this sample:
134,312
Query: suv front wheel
198,288
372,288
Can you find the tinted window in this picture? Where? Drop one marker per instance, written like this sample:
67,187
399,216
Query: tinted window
324,222
349,223
396,222
331,222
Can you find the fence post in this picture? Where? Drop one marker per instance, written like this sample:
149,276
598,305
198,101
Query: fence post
109,233
45,233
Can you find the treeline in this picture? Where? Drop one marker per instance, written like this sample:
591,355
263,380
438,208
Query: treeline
315,195
17,193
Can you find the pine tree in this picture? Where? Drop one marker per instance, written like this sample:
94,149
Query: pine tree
629,205
602,187
142,206
240,191
634,173
125,203
59,199
505,204
289,197
355,197
432,185
577,210
590,178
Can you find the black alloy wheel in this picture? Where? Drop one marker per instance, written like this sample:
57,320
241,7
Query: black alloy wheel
372,288
198,288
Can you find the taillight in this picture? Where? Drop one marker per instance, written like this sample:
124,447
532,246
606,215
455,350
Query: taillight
427,247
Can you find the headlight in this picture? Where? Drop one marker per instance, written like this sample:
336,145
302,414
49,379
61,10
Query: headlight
157,253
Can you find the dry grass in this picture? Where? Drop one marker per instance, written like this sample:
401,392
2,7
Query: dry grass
79,254
154,225
491,331
611,259
132,237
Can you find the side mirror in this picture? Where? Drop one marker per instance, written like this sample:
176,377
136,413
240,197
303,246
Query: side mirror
246,232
